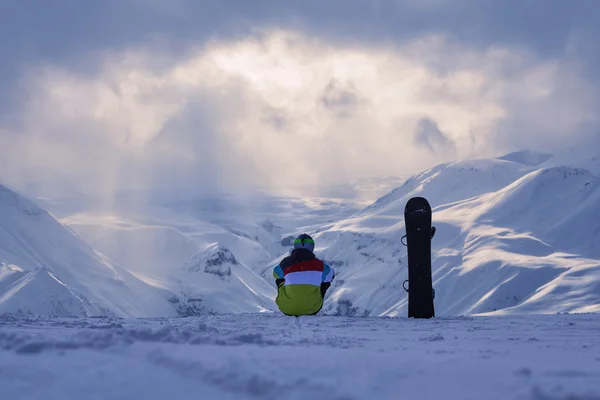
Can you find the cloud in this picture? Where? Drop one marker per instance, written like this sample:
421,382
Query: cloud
67,33
429,135
285,111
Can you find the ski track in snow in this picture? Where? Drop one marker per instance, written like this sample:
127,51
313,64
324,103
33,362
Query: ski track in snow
269,356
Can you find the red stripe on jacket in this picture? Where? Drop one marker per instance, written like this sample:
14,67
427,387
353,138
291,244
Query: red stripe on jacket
312,265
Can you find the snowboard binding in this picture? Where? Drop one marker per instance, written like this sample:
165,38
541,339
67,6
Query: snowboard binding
403,238
406,289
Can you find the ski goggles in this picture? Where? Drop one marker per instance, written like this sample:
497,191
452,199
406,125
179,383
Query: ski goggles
303,240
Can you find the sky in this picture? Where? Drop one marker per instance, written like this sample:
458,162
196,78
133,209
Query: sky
287,97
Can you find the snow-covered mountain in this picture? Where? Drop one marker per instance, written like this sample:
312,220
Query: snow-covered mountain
205,255
516,234
527,157
45,268
448,183
48,269
214,280
585,155
513,237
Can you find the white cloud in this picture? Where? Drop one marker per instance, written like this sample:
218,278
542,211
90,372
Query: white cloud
283,110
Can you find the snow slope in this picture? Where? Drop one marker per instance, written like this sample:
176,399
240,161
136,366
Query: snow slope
514,253
46,269
214,280
585,155
266,356
40,292
554,200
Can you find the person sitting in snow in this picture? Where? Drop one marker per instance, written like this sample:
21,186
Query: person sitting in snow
302,279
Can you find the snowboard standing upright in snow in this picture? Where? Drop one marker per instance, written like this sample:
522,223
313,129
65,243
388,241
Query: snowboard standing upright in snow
419,232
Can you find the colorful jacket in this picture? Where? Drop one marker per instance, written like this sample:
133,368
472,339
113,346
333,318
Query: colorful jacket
302,280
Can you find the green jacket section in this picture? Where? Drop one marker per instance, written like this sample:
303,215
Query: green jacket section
307,299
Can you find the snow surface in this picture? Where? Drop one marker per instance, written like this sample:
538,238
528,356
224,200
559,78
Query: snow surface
268,356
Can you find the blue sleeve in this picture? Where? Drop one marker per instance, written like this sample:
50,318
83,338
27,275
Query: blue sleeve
278,272
328,274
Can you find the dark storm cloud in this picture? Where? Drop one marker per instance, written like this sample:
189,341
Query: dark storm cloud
430,136
64,29
67,32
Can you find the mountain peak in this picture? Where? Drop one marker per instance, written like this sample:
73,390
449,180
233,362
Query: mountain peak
9,198
527,157
44,262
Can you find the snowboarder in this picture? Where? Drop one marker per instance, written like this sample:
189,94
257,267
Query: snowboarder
302,279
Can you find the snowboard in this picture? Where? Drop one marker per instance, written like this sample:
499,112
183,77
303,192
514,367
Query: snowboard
419,232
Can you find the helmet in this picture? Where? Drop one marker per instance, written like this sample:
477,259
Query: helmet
304,242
